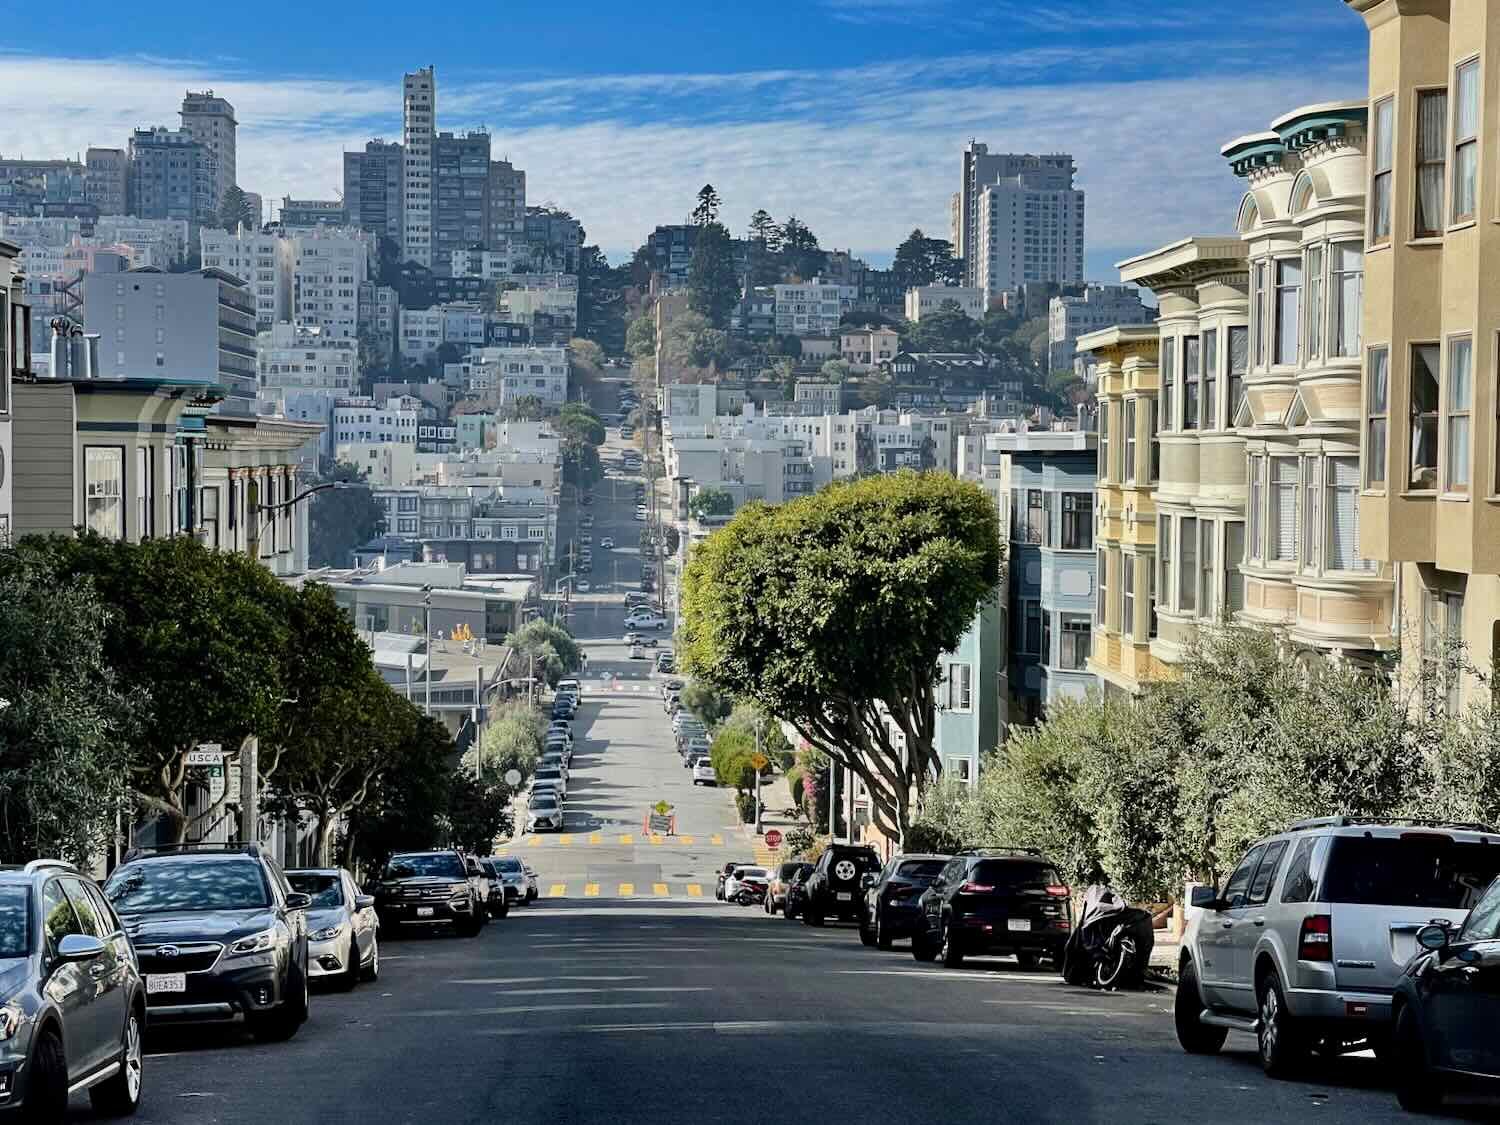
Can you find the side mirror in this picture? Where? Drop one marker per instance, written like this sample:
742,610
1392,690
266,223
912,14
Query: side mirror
363,902
298,901
1204,898
1433,937
867,881
79,947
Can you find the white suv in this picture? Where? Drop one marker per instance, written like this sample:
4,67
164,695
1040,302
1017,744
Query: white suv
1306,941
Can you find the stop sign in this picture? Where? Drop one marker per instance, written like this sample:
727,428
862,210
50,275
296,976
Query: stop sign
773,838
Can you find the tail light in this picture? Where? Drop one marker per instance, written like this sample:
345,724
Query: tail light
1315,943
1057,890
902,890
976,888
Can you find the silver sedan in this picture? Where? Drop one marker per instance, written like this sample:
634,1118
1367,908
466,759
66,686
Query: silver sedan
342,928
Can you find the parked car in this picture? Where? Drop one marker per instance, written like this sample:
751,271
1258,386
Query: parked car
1307,941
637,652
607,543
648,585
512,873
833,890
796,893
703,773
553,776
722,875
219,934
671,685
555,757
891,897
633,599
342,927
497,901
531,891
72,998
671,702
545,810
994,901
646,621
570,687
781,879
649,642
435,888
745,879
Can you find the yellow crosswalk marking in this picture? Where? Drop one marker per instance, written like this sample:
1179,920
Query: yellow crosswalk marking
591,890
694,890
565,840
688,840
716,839
533,840
659,890
627,839
627,889
557,890
595,838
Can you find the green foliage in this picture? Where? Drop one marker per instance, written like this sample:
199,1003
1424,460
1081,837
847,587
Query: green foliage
235,208
706,213
640,337
798,249
949,329
713,285
66,724
527,408
553,648
601,300
341,519
748,717
579,424
512,740
711,501
799,842
730,754
707,702
925,261
479,812
581,465
587,352
836,370
827,609
744,804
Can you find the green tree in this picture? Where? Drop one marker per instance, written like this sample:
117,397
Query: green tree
408,805
512,740
749,718
581,465
586,352
832,611
763,230
949,329
706,212
799,250
66,725
640,337
601,300
526,408
236,208
479,813
836,370
925,261
707,702
713,285
553,648
578,423
711,501
341,519
730,754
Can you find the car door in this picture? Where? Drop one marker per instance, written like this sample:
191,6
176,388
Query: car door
1216,934
1250,925
362,919
872,894
1461,993
71,986
934,896
107,972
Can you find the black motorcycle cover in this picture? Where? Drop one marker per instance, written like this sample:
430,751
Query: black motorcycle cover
1104,911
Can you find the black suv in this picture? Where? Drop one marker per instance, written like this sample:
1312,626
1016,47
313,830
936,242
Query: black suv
833,889
219,934
431,888
892,897
994,901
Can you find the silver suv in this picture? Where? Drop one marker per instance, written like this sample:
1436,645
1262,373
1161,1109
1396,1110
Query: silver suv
1305,942
72,1005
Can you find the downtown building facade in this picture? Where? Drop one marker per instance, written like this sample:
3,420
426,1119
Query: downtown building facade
210,121
418,134
1019,220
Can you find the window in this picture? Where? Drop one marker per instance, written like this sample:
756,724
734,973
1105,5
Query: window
1151,606
1465,140
1035,515
1300,884
1192,377
1074,642
1235,889
1101,604
1442,643
1377,403
1460,401
1309,530
1313,259
1032,642
103,490
1207,591
1383,131
1129,428
1432,154
1164,559
1077,521
1234,557
208,506
1104,465
1239,362
1342,550
1127,595
1168,380
145,507
1288,308
1424,416
1211,379
1155,469
958,696
1347,288
1187,566
1046,637
1265,874
1259,319
1282,521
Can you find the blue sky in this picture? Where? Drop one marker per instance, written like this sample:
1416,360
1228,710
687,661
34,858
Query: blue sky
849,113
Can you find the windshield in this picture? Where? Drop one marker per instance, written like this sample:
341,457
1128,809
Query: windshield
326,890
1414,869
920,868
156,885
549,773
443,865
15,922
509,866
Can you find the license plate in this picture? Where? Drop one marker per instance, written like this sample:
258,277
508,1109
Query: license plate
424,912
165,982
1019,925
846,896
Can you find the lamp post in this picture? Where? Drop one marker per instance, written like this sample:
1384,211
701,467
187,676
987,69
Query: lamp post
427,648
297,499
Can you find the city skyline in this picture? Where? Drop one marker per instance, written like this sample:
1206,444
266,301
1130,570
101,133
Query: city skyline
878,113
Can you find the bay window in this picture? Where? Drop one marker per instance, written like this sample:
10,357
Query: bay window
1234,558
1383,122
1129,428
1101,584
1347,289
1288,309
1466,141
1151,604
1192,376
1127,595
1211,379
1377,404
1104,464
103,490
1206,591
1424,417
1155,469
1460,402
1168,380
1313,257
1074,642
145,491
1239,363
1164,560
1310,510
1077,521
1257,492
1342,550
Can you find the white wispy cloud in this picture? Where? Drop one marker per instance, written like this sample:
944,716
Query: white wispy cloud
863,154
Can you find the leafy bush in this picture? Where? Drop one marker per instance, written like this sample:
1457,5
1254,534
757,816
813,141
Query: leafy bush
730,754
745,803
796,842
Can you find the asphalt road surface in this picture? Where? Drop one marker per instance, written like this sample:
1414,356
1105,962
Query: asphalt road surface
627,994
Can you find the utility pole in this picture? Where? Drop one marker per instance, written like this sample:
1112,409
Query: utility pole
427,646
250,791
759,722
833,803
478,723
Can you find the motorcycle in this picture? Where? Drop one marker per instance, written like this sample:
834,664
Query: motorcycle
751,894
1111,945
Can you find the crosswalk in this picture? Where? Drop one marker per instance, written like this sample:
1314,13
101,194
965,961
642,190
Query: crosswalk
613,839
654,891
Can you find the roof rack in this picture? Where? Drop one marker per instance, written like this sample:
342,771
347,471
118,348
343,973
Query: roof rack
1416,822
191,849
998,849
46,864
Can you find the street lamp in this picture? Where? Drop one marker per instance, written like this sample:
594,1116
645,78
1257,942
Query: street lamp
301,496
427,647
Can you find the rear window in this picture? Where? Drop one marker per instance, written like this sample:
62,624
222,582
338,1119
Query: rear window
921,868
1411,870
1014,873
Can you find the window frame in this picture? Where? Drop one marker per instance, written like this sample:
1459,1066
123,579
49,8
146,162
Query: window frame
1104,462
1168,381
1164,540
1282,292
1314,259
1127,596
1382,148
1331,492
1371,461
1338,313
1208,542
1466,145
1074,626
121,517
1310,534
1187,565
1439,165
1210,352
1101,588
1436,368
1255,521
1128,424
1458,415
1233,594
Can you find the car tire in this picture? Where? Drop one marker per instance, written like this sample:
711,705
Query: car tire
1280,1040
883,937
504,907
948,951
1418,1089
281,1024
811,917
47,1085
120,1094
1193,1035
1026,962
371,972
866,934
922,948
350,976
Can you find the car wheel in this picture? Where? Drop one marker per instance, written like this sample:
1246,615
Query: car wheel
922,948
866,932
1417,1087
1280,1039
280,1024
503,909
372,970
883,937
1194,1036
948,951
1026,962
120,1095
811,916
47,1089
350,976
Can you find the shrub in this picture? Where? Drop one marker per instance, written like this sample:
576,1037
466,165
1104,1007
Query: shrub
745,802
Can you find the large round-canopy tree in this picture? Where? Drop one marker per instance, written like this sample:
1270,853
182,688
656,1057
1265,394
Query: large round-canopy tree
832,611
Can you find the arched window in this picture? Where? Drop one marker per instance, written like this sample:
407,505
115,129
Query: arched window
1303,194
